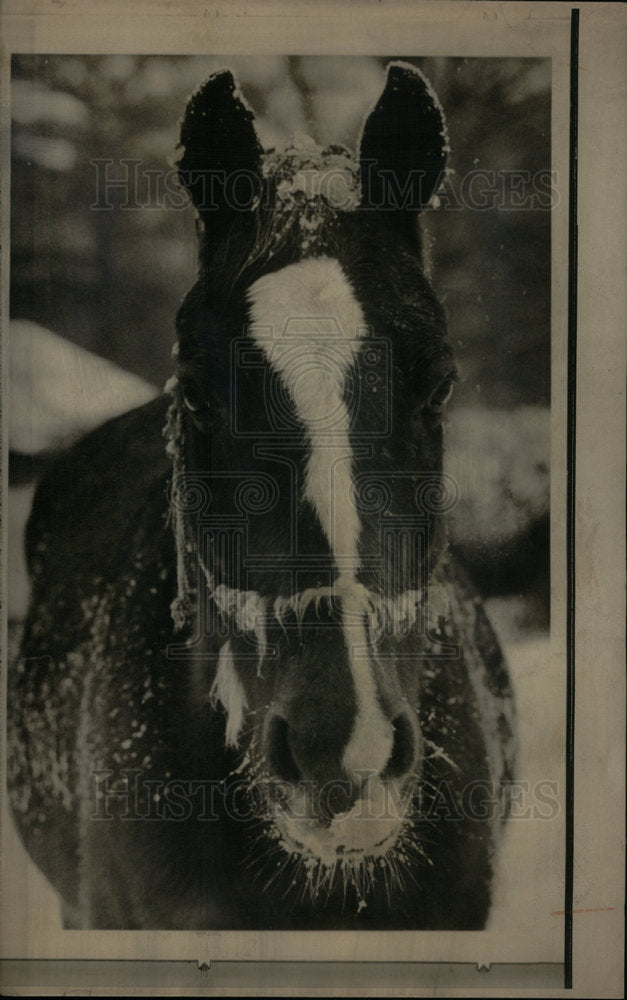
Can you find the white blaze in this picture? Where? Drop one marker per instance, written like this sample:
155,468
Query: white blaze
370,745
308,322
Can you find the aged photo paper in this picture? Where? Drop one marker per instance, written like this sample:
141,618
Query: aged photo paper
396,603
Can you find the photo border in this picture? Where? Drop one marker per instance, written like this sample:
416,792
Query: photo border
40,19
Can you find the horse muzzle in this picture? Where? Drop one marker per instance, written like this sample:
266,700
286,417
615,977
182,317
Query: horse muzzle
307,825
322,809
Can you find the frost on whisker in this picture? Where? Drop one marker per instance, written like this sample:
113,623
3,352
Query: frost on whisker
438,753
343,865
229,691
248,611
396,616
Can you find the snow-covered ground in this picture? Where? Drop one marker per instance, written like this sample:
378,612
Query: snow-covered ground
529,887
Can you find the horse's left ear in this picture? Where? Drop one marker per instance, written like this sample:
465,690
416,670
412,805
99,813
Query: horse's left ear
403,146
221,162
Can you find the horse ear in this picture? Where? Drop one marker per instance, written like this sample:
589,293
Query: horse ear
221,162
403,146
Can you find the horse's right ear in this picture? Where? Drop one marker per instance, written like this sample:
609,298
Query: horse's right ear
221,162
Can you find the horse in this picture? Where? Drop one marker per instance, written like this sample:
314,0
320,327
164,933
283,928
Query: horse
254,689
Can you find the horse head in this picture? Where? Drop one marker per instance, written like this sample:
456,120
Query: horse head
312,375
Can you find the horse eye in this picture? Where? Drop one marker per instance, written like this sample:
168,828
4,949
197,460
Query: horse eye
440,397
192,404
192,396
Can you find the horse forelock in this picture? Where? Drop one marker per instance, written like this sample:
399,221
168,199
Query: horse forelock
301,191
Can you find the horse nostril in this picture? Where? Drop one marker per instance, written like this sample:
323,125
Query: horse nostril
403,756
278,753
